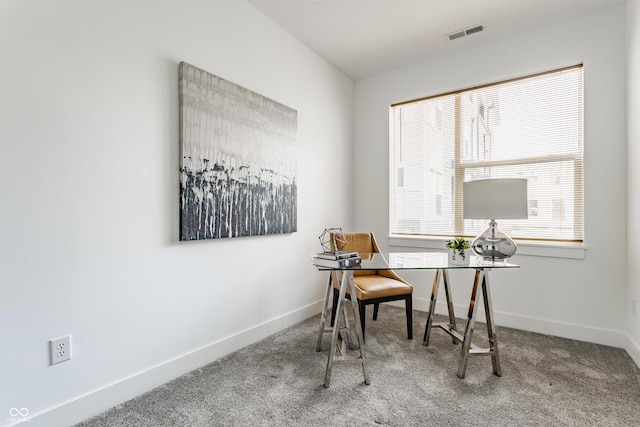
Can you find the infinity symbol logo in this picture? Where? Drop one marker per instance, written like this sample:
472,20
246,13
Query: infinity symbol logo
14,412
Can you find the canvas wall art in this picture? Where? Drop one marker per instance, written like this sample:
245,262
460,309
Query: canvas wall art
238,167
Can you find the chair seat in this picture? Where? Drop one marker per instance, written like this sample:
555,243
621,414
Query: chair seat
372,287
376,286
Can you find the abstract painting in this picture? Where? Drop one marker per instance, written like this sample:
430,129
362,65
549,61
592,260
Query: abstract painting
238,167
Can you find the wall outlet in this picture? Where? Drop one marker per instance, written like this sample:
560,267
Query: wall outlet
634,307
60,349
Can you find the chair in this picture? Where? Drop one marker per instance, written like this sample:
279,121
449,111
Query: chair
374,286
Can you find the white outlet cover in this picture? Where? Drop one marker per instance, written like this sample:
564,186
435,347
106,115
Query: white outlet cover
60,349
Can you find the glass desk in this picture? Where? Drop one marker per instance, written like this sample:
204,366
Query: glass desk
398,261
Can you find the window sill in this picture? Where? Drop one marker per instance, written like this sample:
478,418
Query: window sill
527,248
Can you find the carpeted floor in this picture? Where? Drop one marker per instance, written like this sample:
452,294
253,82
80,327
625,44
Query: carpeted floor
546,381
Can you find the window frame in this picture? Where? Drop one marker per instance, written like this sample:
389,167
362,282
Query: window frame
563,248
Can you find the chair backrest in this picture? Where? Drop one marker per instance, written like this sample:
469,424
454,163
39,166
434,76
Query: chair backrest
363,242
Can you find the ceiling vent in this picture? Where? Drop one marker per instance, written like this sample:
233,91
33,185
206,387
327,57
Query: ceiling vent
465,32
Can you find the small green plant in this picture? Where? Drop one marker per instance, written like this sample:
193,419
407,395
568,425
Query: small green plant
458,246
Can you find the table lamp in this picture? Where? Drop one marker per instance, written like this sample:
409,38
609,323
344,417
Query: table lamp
494,199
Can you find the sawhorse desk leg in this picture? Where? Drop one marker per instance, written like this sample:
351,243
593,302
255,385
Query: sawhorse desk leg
481,280
338,347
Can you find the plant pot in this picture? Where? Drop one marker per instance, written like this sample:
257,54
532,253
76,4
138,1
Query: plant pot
455,258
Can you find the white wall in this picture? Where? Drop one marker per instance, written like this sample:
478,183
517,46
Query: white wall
89,183
585,299
633,191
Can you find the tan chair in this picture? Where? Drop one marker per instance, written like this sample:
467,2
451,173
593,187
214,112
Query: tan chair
374,286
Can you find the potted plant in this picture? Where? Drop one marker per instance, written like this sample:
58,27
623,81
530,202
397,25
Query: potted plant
457,254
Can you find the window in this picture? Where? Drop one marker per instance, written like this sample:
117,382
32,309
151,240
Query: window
522,128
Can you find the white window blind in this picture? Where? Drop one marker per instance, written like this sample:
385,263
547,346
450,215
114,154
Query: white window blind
523,128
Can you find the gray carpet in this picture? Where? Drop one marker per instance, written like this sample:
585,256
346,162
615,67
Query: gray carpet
546,381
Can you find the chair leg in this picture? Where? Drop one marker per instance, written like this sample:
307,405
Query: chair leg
408,303
362,307
336,296
376,306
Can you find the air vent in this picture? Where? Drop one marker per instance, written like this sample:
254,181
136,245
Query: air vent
457,35
465,32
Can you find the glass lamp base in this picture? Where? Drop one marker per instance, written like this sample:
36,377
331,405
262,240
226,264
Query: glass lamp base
493,244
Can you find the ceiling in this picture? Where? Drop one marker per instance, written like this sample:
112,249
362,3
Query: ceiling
367,37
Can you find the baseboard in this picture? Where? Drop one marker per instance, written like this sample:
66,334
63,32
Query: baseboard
97,401
633,349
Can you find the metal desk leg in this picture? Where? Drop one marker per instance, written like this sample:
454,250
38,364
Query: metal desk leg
337,344
432,307
451,326
356,313
471,319
323,316
452,316
481,280
491,327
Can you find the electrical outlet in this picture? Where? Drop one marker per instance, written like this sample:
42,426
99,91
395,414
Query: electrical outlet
60,349
634,307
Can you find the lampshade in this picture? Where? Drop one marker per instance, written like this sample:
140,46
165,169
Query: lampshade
491,199
495,199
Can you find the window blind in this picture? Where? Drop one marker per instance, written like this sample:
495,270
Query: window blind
528,127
